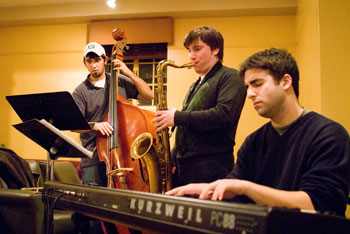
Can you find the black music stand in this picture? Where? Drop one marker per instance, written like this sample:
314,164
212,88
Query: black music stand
57,108
53,140
43,116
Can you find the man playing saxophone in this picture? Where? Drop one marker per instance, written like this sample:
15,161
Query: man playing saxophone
207,124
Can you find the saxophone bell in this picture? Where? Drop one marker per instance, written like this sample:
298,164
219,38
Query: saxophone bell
142,148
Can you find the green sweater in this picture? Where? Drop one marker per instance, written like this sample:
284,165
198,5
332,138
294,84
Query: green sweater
208,122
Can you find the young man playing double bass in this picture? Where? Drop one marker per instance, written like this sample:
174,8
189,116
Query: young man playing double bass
92,98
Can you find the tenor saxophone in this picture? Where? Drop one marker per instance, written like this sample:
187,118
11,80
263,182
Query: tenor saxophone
157,158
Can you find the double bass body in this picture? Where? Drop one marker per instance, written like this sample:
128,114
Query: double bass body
122,170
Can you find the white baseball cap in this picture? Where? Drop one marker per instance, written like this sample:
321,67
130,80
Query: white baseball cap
95,48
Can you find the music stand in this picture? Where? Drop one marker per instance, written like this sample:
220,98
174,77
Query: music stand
43,114
57,108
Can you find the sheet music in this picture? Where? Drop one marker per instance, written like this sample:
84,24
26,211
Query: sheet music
66,138
52,139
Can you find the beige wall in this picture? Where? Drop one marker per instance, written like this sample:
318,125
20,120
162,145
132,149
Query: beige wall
323,52
36,60
308,54
335,60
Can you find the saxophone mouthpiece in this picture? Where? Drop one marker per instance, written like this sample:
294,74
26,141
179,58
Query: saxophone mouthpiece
188,65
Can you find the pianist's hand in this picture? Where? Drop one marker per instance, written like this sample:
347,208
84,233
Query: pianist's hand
190,189
224,189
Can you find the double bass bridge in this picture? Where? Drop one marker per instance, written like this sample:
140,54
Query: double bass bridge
120,171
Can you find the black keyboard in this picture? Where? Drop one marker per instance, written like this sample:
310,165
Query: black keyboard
159,213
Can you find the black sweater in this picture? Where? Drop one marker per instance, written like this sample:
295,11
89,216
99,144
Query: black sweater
313,155
208,122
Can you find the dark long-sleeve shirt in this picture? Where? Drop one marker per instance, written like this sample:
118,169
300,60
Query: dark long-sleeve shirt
208,122
313,156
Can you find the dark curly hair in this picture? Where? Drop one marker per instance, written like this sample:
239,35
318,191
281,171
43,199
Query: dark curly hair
277,62
209,36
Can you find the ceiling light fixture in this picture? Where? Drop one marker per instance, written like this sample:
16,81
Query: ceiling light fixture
111,3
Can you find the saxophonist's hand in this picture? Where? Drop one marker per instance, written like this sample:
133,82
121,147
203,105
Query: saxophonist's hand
164,118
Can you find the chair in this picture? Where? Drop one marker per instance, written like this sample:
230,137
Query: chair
65,172
22,210
14,170
36,171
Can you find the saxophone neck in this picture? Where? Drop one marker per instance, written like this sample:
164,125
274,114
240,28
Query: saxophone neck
188,65
166,62
162,102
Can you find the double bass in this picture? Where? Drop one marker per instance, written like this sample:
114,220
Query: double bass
128,122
